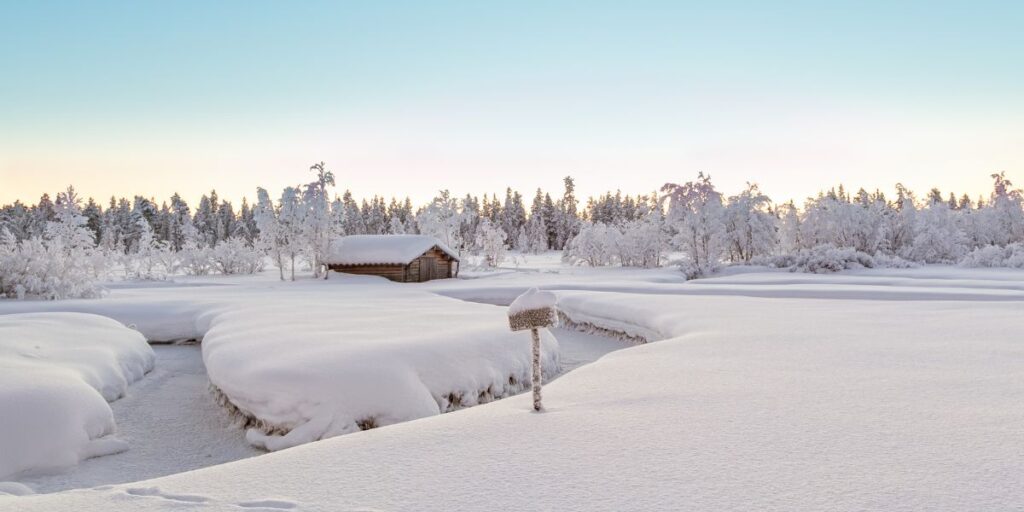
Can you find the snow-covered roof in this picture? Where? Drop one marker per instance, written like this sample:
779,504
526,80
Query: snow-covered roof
383,249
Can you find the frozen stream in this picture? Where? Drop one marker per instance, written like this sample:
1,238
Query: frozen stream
172,423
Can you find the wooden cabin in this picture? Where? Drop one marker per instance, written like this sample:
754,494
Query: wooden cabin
401,258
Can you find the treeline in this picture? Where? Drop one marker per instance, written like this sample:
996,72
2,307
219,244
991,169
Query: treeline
120,225
835,230
61,248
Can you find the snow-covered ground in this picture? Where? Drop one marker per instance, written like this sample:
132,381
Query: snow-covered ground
57,373
170,423
870,390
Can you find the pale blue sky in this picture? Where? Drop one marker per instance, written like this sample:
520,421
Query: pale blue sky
147,97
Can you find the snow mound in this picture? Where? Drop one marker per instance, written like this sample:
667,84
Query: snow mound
57,373
362,357
382,249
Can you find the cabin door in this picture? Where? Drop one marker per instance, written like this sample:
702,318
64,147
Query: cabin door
426,268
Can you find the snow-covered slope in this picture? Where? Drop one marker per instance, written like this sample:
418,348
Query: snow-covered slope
362,356
57,373
746,403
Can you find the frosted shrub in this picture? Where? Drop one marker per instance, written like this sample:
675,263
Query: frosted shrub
1014,255
641,243
195,259
883,260
235,256
60,265
992,256
594,245
825,259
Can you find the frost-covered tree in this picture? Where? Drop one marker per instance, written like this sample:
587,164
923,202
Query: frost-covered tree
566,217
490,238
750,225
696,214
642,242
1006,216
898,224
789,228
937,238
291,227
442,219
317,222
271,240
536,234
149,258
594,245
352,218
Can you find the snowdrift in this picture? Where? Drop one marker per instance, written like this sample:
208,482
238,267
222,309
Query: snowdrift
57,373
362,356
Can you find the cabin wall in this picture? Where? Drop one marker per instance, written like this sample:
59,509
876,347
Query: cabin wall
442,263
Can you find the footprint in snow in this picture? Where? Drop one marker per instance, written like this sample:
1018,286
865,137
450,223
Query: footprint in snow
155,492
274,504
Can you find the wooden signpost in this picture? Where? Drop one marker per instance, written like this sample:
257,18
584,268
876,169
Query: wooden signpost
533,310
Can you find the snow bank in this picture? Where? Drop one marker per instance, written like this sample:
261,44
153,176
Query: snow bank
361,357
57,373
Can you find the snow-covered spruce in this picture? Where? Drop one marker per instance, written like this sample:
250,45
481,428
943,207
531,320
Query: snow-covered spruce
57,373
365,356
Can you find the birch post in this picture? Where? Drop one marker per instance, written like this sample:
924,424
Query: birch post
533,310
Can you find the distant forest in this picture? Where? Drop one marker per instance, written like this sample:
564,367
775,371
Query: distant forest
705,228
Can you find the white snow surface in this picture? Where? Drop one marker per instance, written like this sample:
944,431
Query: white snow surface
382,249
57,373
869,390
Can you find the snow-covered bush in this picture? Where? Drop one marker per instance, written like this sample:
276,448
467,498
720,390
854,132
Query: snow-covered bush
62,264
824,259
235,256
637,243
937,238
594,245
195,258
883,260
641,243
1011,256
751,229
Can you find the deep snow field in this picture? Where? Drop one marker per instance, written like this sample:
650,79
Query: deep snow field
757,390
